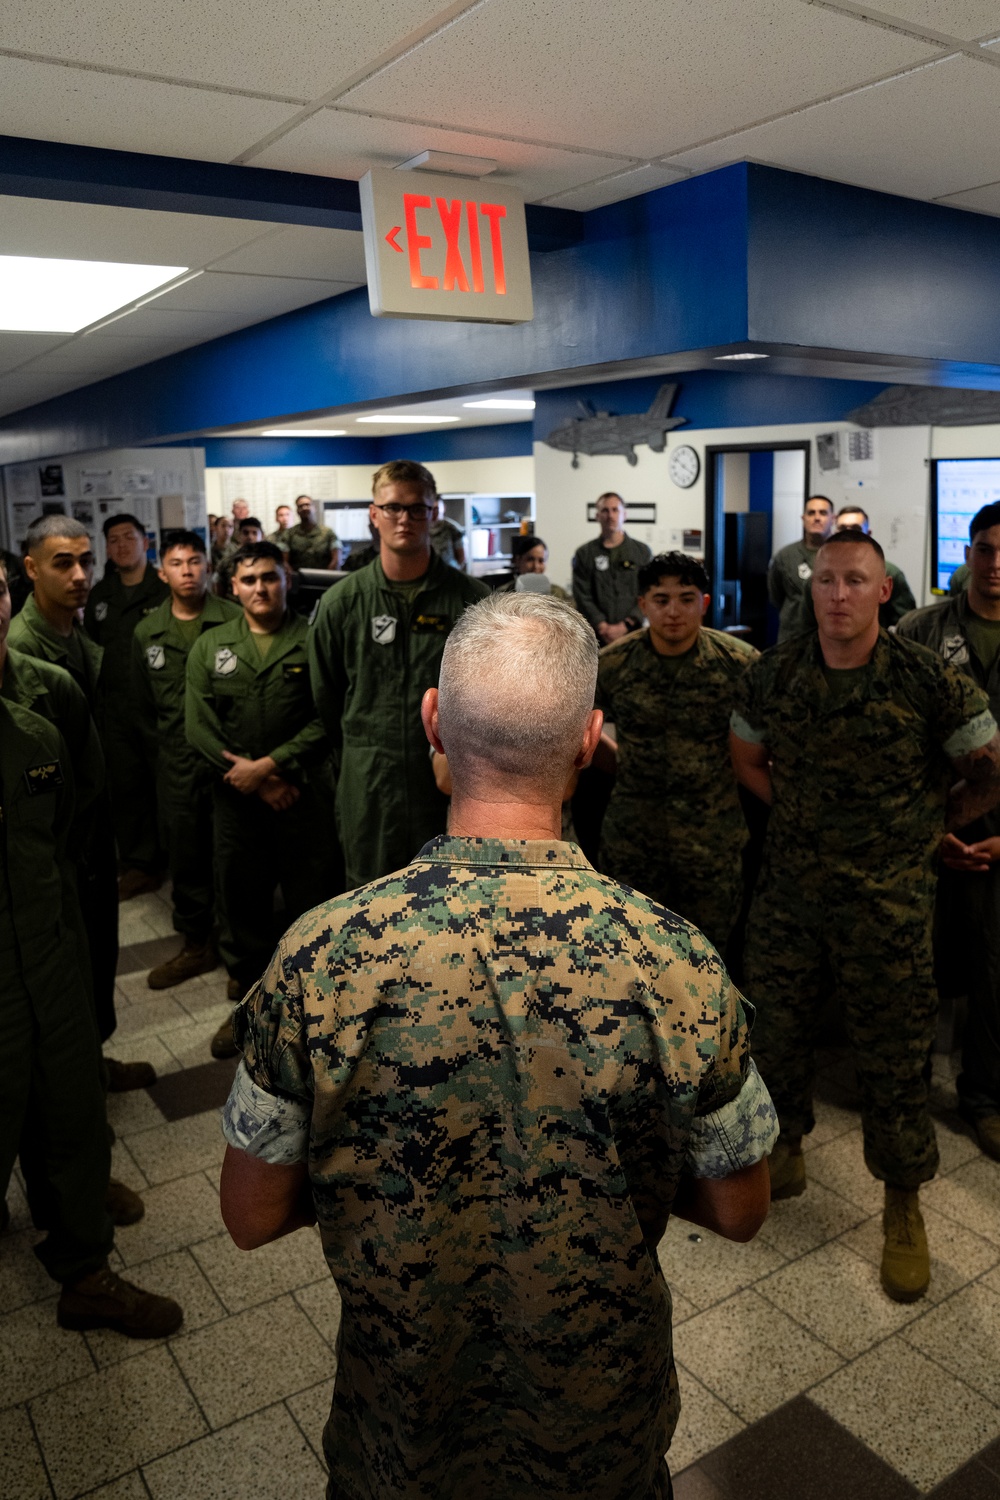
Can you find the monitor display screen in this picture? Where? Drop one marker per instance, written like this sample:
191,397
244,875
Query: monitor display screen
961,487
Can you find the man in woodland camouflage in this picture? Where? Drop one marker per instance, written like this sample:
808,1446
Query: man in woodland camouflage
491,1077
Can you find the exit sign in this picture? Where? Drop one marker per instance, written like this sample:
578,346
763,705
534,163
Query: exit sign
445,247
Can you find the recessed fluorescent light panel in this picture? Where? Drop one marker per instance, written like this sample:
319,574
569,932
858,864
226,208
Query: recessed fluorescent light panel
497,403
748,355
304,432
39,295
387,416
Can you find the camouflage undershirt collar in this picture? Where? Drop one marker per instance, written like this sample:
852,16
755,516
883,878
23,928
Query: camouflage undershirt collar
527,853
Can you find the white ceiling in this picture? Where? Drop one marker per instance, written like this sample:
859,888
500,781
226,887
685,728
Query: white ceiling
451,406
580,102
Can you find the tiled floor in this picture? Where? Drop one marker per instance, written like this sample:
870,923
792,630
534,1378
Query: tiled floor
801,1381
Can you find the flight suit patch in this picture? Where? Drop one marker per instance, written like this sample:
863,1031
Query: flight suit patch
602,564
156,657
384,629
955,650
43,778
430,625
226,662
804,571
100,611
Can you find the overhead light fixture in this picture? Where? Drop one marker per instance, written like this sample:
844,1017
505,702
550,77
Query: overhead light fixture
398,417
749,354
303,432
499,403
43,295
448,161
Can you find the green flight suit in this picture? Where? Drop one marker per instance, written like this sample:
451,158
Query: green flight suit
110,618
967,928
899,603
52,1111
674,828
309,549
788,586
606,581
253,705
184,779
861,769
32,636
373,653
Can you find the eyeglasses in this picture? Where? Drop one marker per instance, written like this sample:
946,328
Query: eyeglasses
418,512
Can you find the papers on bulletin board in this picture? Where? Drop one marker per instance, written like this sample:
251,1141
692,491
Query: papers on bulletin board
96,482
50,479
137,481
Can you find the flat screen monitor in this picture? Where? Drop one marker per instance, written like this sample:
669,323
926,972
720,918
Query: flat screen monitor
960,487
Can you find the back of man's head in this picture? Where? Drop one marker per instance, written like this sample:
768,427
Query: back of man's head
516,689
45,527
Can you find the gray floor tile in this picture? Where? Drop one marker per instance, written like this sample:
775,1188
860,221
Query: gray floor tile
321,1305
840,1166
180,1147
311,1409
258,1459
957,1255
963,1334
104,1426
832,1121
223,1366
36,1354
797,1225
746,1333
178,1214
909,1411
971,1195
705,1422
22,1473
175,1275
706,1269
23,1279
245,1278
837,1296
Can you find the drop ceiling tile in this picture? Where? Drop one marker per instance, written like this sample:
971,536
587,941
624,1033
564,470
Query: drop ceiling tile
16,348
301,250
253,298
923,135
615,189
300,50
17,392
965,19
643,80
342,143
980,200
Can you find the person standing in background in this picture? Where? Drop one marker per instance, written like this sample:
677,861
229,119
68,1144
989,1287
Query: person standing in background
310,545
792,567
283,518
448,539
606,573
528,558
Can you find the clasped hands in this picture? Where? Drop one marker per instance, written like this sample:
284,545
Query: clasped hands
261,778
971,858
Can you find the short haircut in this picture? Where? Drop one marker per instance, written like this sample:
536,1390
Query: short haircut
406,471
279,508
610,495
689,570
48,526
851,538
851,510
519,545
250,521
252,552
517,684
988,516
303,497
124,518
174,539
224,520
825,498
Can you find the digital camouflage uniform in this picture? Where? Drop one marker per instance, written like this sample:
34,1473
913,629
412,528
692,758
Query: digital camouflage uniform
309,549
606,581
674,827
968,916
110,619
899,603
373,653
497,1064
237,700
183,777
846,889
788,584
52,1110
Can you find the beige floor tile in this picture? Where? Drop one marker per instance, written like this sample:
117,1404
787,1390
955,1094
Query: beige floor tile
706,1269
177,1214
190,1044
992,1279
963,1334
832,1121
146,905
244,1279
143,1048
311,1409
36,1355
796,1225
837,1296
133,928
705,1423
124,1169
203,1001
149,1018
23,1279
971,1195
956,1145
160,919
135,988
682,1308
180,1147
909,1411
321,1305
17,1205
128,1487
957,1255
720,1346
175,1275
22,1473
259,1459
108,1424
131,1112
840,1166
232,1374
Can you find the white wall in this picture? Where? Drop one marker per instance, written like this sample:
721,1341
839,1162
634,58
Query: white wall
965,442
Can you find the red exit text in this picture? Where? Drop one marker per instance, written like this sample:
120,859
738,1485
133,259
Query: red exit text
448,215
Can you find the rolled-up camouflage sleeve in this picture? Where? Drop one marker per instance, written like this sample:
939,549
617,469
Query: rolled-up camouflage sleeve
738,1135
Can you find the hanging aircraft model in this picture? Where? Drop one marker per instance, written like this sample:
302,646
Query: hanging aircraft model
600,432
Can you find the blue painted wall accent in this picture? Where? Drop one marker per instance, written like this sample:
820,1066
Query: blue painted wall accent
761,481
505,440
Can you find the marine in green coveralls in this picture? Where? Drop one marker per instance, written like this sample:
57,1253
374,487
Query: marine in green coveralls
855,736
374,650
606,574
791,568
964,631
249,712
491,1077
52,1110
674,828
115,607
184,778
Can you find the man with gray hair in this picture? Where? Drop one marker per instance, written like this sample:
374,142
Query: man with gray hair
491,1077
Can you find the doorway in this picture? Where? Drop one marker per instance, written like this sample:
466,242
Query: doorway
755,494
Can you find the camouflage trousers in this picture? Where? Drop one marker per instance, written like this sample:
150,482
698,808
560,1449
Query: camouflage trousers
872,950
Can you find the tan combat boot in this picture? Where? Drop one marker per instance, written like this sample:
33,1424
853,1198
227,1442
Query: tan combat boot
123,1077
193,959
906,1261
787,1168
123,1205
103,1300
223,1043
